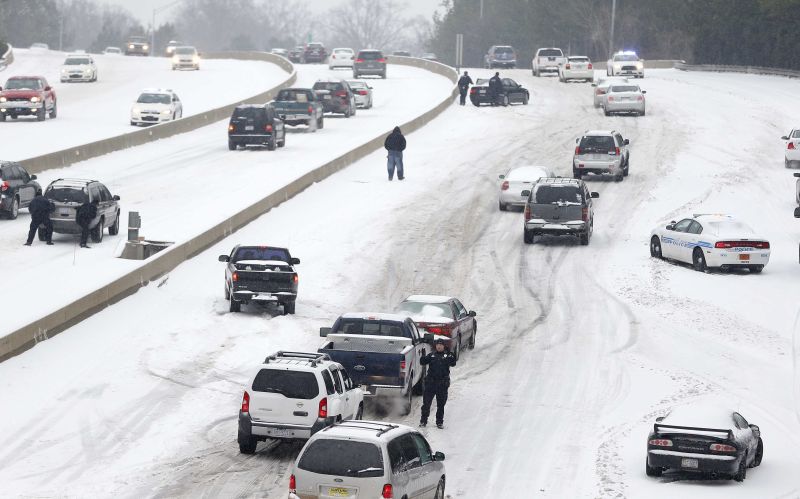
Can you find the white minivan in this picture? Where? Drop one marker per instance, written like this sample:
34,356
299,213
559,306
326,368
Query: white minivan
293,395
370,459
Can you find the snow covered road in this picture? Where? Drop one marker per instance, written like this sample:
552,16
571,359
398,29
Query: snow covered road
94,111
578,350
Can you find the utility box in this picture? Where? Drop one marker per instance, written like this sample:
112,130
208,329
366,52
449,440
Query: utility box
136,247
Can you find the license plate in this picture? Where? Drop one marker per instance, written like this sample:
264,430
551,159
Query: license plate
280,432
688,463
744,257
248,128
338,492
327,97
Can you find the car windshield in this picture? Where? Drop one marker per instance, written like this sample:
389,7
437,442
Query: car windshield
373,327
24,84
67,194
293,95
154,99
796,134
357,85
551,53
426,309
260,253
625,88
290,384
597,144
503,50
481,81
77,61
328,85
185,50
626,57
350,458
557,193
370,55
137,39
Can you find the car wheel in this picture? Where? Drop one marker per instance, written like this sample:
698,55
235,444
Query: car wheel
41,114
97,232
525,100
527,236
698,260
457,351
655,247
231,145
650,471
440,490
759,453
785,161
742,473
505,101
54,111
619,177
13,213
605,111
282,143
288,308
476,103
2,116
584,239
406,409
383,75
419,388
756,269
247,445
271,144
114,229
502,206
227,293
642,113
577,174
320,123
235,306
471,344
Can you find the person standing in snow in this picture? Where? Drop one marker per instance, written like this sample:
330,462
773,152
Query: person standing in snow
84,216
463,87
40,210
495,88
395,143
437,382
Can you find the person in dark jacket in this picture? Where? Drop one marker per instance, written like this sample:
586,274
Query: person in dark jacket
437,382
496,88
86,213
463,87
40,210
395,143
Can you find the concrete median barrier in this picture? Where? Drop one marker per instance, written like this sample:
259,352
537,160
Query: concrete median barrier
756,70
163,262
66,157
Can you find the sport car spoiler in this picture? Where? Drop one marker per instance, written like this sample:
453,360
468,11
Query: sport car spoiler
727,433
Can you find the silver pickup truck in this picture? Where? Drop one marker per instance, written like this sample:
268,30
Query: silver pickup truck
559,207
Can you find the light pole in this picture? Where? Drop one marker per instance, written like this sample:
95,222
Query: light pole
153,28
611,36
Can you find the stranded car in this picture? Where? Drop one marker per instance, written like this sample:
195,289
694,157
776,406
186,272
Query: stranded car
369,62
442,316
28,96
600,152
627,99
78,67
791,155
559,207
336,96
156,106
260,274
185,57
576,68
625,64
516,182
17,188
711,241
69,194
300,106
362,92
512,93
256,124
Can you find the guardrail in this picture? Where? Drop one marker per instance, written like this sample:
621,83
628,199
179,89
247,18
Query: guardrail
7,57
66,157
27,336
756,70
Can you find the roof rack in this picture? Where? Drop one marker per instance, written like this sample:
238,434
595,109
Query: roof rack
558,180
381,428
695,215
313,358
74,180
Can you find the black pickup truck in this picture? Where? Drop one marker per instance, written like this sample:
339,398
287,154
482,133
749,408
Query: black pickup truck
260,274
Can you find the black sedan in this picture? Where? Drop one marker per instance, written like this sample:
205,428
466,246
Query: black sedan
710,441
512,93
17,188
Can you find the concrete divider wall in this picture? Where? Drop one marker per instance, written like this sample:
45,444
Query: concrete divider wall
161,263
83,152
758,70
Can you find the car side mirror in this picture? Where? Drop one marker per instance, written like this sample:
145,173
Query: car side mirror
33,177
223,258
626,142
594,84
525,193
472,313
501,177
438,456
594,195
756,429
47,89
670,227
428,338
295,261
797,175
325,331
797,212
785,137
116,198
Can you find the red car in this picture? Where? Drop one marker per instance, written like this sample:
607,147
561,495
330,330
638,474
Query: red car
442,316
27,96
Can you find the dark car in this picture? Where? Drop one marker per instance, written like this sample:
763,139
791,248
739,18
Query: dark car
369,62
697,440
500,56
256,125
137,45
296,54
512,93
17,188
336,96
402,53
443,316
69,194
559,206
260,274
315,52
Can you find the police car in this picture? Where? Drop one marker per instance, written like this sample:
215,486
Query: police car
711,241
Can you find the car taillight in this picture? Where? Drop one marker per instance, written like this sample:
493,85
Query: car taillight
323,408
585,214
567,66
295,278
333,56
402,365
310,109
362,92
590,66
246,402
359,60
722,448
791,146
610,98
577,149
292,484
617,151
640,98
231,128
741,244
660,442
381,60
268,128
504,187
388,492
527,213
4,186
341,93
473,90
235,276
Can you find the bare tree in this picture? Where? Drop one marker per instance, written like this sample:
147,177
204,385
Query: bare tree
369,23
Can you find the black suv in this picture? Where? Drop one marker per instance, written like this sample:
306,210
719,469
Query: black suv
260,274
369,62
256,124
69,194
17,188
512,92
336,97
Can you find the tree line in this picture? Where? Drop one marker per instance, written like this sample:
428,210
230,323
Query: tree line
738,32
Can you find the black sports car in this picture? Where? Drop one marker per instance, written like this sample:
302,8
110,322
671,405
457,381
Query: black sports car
512,93
712,441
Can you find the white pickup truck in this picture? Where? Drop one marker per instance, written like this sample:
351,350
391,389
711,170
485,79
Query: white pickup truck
547,60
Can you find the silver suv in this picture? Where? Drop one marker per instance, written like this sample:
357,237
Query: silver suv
368,459
559,207
369,62
69,194
600,152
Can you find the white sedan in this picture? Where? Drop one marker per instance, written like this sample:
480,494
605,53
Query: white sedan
156,106
625,64
577,67
78,67
711,241
601,87
517,184
791,155
362,92
341,58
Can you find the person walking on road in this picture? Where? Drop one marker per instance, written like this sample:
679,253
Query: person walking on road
437,381
495,88
40,210
463,87
395,143
86,213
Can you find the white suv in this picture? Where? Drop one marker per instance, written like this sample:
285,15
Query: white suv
547,60
293,395
156,106
367,459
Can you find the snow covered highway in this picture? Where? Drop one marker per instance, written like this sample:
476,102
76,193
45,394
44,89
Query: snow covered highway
98,110
579,348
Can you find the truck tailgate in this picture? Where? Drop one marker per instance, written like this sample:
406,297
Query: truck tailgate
369,360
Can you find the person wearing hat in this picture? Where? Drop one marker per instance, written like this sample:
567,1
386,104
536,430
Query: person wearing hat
463,87
437,381
495,88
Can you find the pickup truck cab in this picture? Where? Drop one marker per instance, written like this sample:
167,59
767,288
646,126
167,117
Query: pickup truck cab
381,352
300,106
547,60
27,96
260,274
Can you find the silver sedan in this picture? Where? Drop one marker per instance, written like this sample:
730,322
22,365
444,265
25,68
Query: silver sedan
601,87
362,92
518,181
624,99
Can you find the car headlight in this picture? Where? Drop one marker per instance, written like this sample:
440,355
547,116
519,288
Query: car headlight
135,110
145,47
34,99
175,58
64,71
166,111
195,59
130,46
